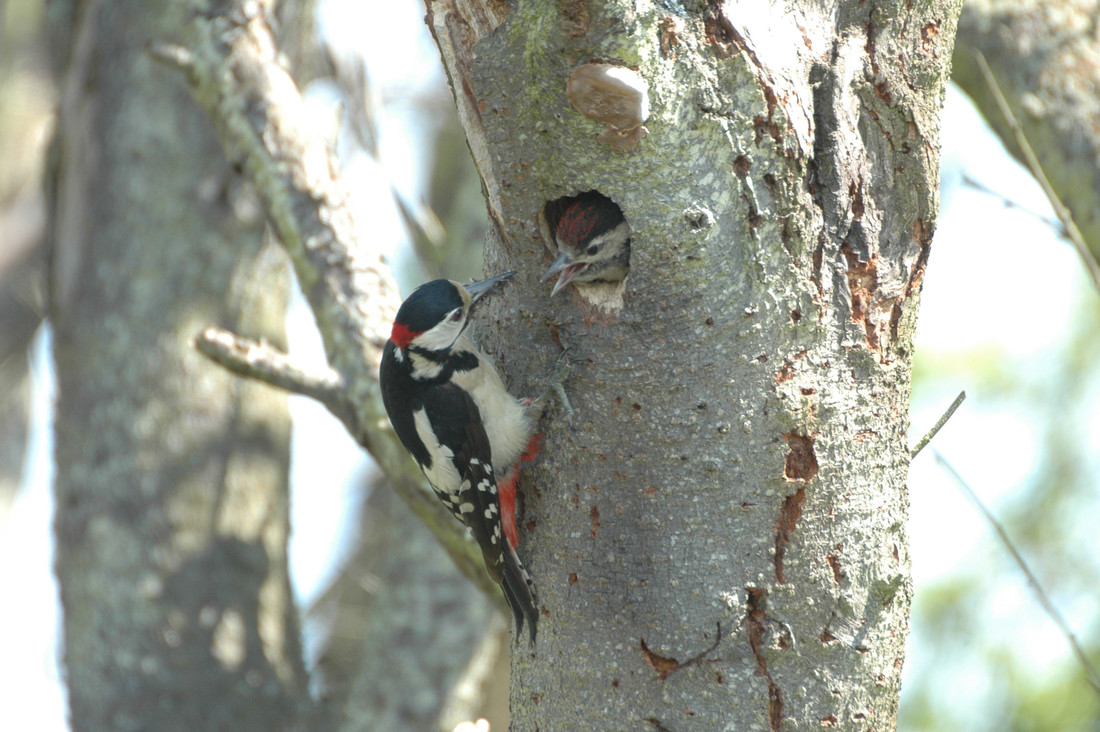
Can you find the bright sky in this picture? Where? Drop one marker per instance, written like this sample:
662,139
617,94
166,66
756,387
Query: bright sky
983,259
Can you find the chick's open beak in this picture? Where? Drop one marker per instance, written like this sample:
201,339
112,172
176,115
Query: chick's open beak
566,269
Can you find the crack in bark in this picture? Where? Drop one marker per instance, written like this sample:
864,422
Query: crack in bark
922,233
665,666
834,564
755,617
784,526
801,466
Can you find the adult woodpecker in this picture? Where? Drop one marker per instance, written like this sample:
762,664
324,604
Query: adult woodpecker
593,241
453,414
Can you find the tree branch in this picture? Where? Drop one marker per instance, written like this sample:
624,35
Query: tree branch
1048,65
937,426
1032,161
261,361
233,67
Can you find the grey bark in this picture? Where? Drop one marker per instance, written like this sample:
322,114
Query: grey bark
171,487
1047,62
739,451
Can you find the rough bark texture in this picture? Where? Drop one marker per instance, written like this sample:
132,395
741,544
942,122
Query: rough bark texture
738,454
171,486
1046,60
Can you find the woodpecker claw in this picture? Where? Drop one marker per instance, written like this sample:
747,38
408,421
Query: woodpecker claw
556,386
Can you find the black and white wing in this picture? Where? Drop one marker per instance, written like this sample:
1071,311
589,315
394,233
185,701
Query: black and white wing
461,471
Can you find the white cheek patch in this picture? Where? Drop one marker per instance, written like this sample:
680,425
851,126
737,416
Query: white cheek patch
441,337
622,231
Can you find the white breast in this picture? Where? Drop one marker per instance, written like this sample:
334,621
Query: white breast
504,416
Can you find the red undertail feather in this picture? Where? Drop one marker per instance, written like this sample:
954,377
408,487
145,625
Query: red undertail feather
506,491
533,447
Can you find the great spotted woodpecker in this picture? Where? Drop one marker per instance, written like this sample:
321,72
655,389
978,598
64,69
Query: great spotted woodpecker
454,415
593,240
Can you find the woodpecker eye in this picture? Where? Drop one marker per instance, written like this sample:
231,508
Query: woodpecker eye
593,249
456,316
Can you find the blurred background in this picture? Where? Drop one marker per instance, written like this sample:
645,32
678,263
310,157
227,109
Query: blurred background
1007,315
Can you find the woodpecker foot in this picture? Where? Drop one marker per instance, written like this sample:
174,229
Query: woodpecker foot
556,386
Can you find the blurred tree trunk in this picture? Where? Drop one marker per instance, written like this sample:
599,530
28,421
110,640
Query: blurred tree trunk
411,641
719,542
1046,60
171,490
24,115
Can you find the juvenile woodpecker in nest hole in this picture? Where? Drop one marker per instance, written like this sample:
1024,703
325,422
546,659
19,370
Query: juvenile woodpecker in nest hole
593,241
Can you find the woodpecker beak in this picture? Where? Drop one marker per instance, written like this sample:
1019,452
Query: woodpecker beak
566,269
478,290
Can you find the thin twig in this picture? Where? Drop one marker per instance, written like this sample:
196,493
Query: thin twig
938,426
1072,232
1054,224
261,361
1093,677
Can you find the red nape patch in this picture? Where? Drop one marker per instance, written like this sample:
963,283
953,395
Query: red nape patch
506,492
402,336
576,224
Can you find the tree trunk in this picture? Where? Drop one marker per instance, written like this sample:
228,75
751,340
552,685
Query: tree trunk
719,541
171,486
1046,61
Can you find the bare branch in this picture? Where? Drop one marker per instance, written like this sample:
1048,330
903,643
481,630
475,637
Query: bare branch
1044,600
1054,224
261,361
938,426
172,55
236,76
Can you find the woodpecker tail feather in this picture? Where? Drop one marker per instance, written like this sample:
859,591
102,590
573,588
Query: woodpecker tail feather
519,590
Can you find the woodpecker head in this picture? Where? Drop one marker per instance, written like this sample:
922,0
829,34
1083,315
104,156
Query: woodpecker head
434,316
593,242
